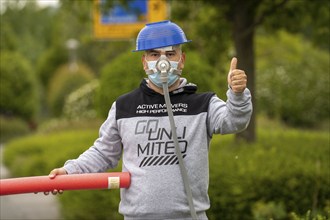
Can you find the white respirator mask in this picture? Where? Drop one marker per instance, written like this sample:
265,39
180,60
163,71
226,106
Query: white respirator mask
154,72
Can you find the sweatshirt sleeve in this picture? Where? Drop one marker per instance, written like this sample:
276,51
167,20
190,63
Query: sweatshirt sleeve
105,152
231,116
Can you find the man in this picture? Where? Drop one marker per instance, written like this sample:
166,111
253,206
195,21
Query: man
138,130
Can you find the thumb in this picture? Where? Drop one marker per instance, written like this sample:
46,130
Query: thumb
233,64
52,174
55,172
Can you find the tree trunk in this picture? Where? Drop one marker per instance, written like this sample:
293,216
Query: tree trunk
243,20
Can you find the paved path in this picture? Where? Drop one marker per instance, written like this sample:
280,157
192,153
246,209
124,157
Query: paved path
26,206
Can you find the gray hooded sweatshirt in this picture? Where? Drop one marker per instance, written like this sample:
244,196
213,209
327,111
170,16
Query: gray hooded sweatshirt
138,130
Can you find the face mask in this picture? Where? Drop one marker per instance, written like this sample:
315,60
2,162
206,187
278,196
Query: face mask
155,78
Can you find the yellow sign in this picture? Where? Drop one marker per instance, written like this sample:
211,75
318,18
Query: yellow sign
122,22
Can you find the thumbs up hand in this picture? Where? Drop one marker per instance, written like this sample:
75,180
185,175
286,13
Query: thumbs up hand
237,78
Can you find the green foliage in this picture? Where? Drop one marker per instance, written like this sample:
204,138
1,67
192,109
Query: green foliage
269,210
292,79
49,61
66,80
308,216
40,153
207,27
207,78
285,171
284,174
120,76
79,14
97,53
81,103
309,18
25,28
9,40
19,86
63,124
12,128
91,205
199,72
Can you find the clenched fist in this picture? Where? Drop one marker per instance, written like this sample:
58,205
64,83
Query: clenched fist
237,78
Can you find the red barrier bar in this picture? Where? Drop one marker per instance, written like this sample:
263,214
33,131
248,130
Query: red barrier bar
35,184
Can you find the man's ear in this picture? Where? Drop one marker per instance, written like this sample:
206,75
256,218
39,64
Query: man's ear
183,60
144,63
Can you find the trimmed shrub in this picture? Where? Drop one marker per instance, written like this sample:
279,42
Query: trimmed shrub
65,81
81,103
63,124
285,171
96,204
49,62
120,76
19,87
51,150
11,127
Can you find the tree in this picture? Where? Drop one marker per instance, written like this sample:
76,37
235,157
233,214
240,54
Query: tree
244,17
25,28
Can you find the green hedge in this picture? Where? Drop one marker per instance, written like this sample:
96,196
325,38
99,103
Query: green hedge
19,86
120,76
49,61
40,153
12,127
285,172
80,104
65,81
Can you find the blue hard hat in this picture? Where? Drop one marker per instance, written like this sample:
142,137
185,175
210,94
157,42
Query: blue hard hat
160,34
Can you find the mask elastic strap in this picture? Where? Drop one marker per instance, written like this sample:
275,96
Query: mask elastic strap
149,71
176,71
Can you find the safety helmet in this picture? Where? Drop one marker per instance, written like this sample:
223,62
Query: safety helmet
160,34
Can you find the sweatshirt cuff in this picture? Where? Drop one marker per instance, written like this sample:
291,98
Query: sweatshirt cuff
71,168
246,94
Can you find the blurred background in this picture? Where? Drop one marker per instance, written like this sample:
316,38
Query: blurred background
59,77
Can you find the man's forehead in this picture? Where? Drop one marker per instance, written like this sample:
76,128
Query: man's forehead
164,49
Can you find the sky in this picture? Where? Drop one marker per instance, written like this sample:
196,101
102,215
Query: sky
45,3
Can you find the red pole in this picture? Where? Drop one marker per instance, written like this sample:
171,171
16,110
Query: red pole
34,184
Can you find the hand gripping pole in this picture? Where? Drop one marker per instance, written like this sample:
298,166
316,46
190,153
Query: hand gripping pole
113,180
